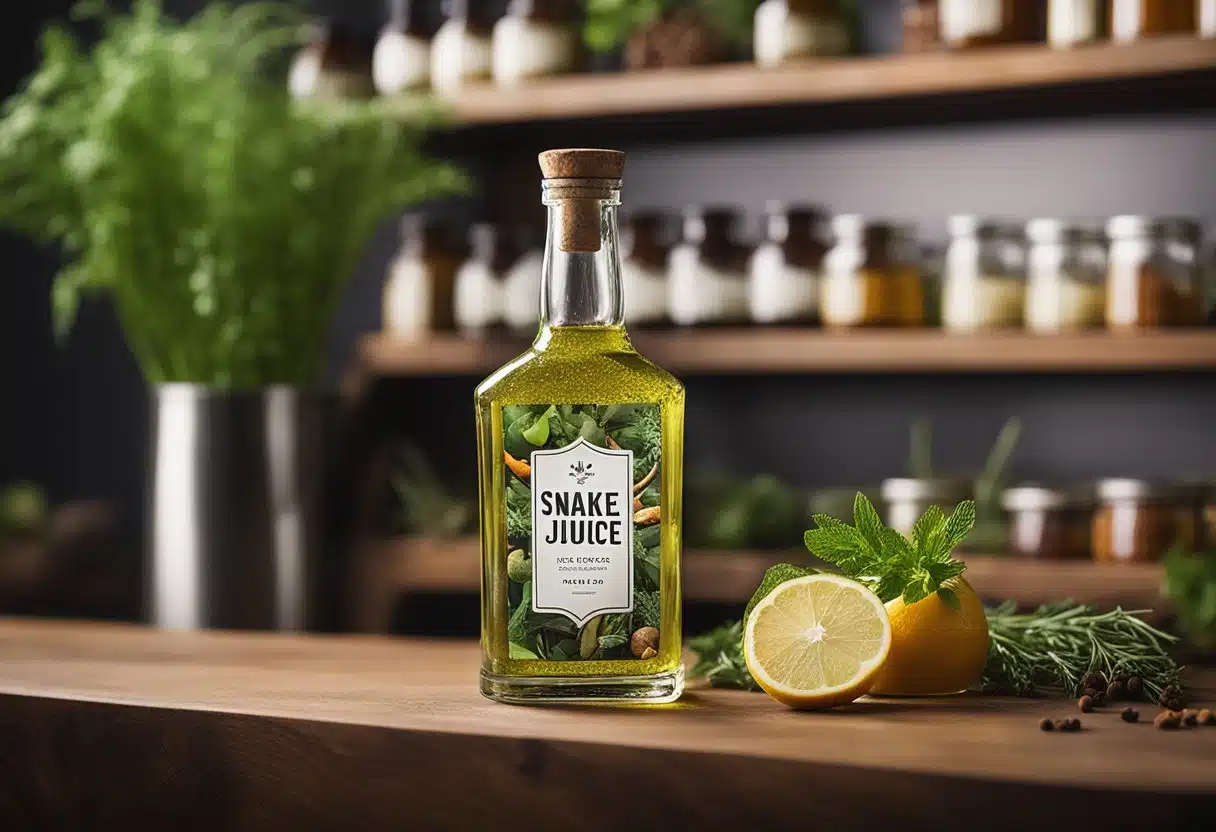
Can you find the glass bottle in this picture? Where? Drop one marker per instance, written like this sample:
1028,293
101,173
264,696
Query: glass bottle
967,24
783,280
580,444
1154,277
871,276
521,283
787,29
460,52
1074,22
535,38
984,286
1066,276
418,294
707,276
402,58
335,64
478,292
921,29
645,246
1135,19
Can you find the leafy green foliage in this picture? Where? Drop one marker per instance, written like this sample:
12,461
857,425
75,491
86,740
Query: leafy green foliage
720,658
181,181
646,610
519,512
1053,647
870,552
1190,584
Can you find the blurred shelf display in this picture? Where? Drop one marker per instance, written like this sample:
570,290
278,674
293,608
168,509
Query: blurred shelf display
827,81
790,350
386,569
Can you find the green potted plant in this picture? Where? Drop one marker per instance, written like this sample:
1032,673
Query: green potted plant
666,33
222,219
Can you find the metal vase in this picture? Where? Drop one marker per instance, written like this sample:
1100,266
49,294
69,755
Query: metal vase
236,507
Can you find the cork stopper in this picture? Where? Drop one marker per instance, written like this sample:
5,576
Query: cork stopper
580,178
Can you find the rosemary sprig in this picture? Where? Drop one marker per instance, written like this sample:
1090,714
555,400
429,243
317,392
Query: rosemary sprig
1051,648
720,658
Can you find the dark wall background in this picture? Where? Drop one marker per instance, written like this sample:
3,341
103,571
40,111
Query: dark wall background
74,417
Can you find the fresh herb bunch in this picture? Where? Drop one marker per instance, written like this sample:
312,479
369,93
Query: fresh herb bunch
885,560
180,179
1053,647
611,22
1190,584
720,658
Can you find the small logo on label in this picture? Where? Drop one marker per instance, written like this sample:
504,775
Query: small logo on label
581,473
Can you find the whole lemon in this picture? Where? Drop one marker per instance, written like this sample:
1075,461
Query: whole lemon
935,649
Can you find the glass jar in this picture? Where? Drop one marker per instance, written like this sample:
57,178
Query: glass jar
521,283
535,38
871,276
1066,284
1207,18
968,24
479,280
984,285
787,29
334,64
1154,277
419,291
645,247
460,52
707,271
783,277
1138,521
1047,523
1132,20
922,28
1074,22
906,499
402,57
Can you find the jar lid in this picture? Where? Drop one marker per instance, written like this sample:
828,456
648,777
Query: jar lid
1042,498
1139,225
1120,488
944,490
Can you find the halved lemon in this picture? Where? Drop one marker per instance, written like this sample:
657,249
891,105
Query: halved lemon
817,642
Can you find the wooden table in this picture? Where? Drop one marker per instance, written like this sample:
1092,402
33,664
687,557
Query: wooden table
105,726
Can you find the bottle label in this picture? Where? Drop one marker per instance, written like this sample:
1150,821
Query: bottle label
583,522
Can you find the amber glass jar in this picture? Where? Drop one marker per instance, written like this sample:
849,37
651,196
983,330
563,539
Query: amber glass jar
1048,523
1154,275
1134,19
968,24
707,273
1138,521
922,31
871,275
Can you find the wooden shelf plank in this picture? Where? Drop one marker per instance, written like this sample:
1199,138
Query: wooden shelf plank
279,731
764,350
732,86
388,568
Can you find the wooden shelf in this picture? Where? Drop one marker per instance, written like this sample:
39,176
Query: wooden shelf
278,731
389,568
763,350
744,86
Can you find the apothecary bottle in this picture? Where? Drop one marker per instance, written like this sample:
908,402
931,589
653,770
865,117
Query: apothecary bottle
786,29
333,65
460,52
580,445
1048,523
967,24
479,287
707,274
1132,20
645,247
1066,276
984,285
1137,521
535,38
418,293
871,275
1075,22
521,283
1154,276
783,277
402,58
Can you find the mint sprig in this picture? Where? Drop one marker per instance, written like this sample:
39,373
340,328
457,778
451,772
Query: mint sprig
886,561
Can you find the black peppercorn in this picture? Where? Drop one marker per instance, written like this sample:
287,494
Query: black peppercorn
1072,724
1045,724
1122,677
1094,679
1114,691
1190,718
1130,715
1086,704
1167,721
1176,704
1135,687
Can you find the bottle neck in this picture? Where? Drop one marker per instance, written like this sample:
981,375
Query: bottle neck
581,288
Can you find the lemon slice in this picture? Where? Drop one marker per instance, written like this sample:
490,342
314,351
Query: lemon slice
817,641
